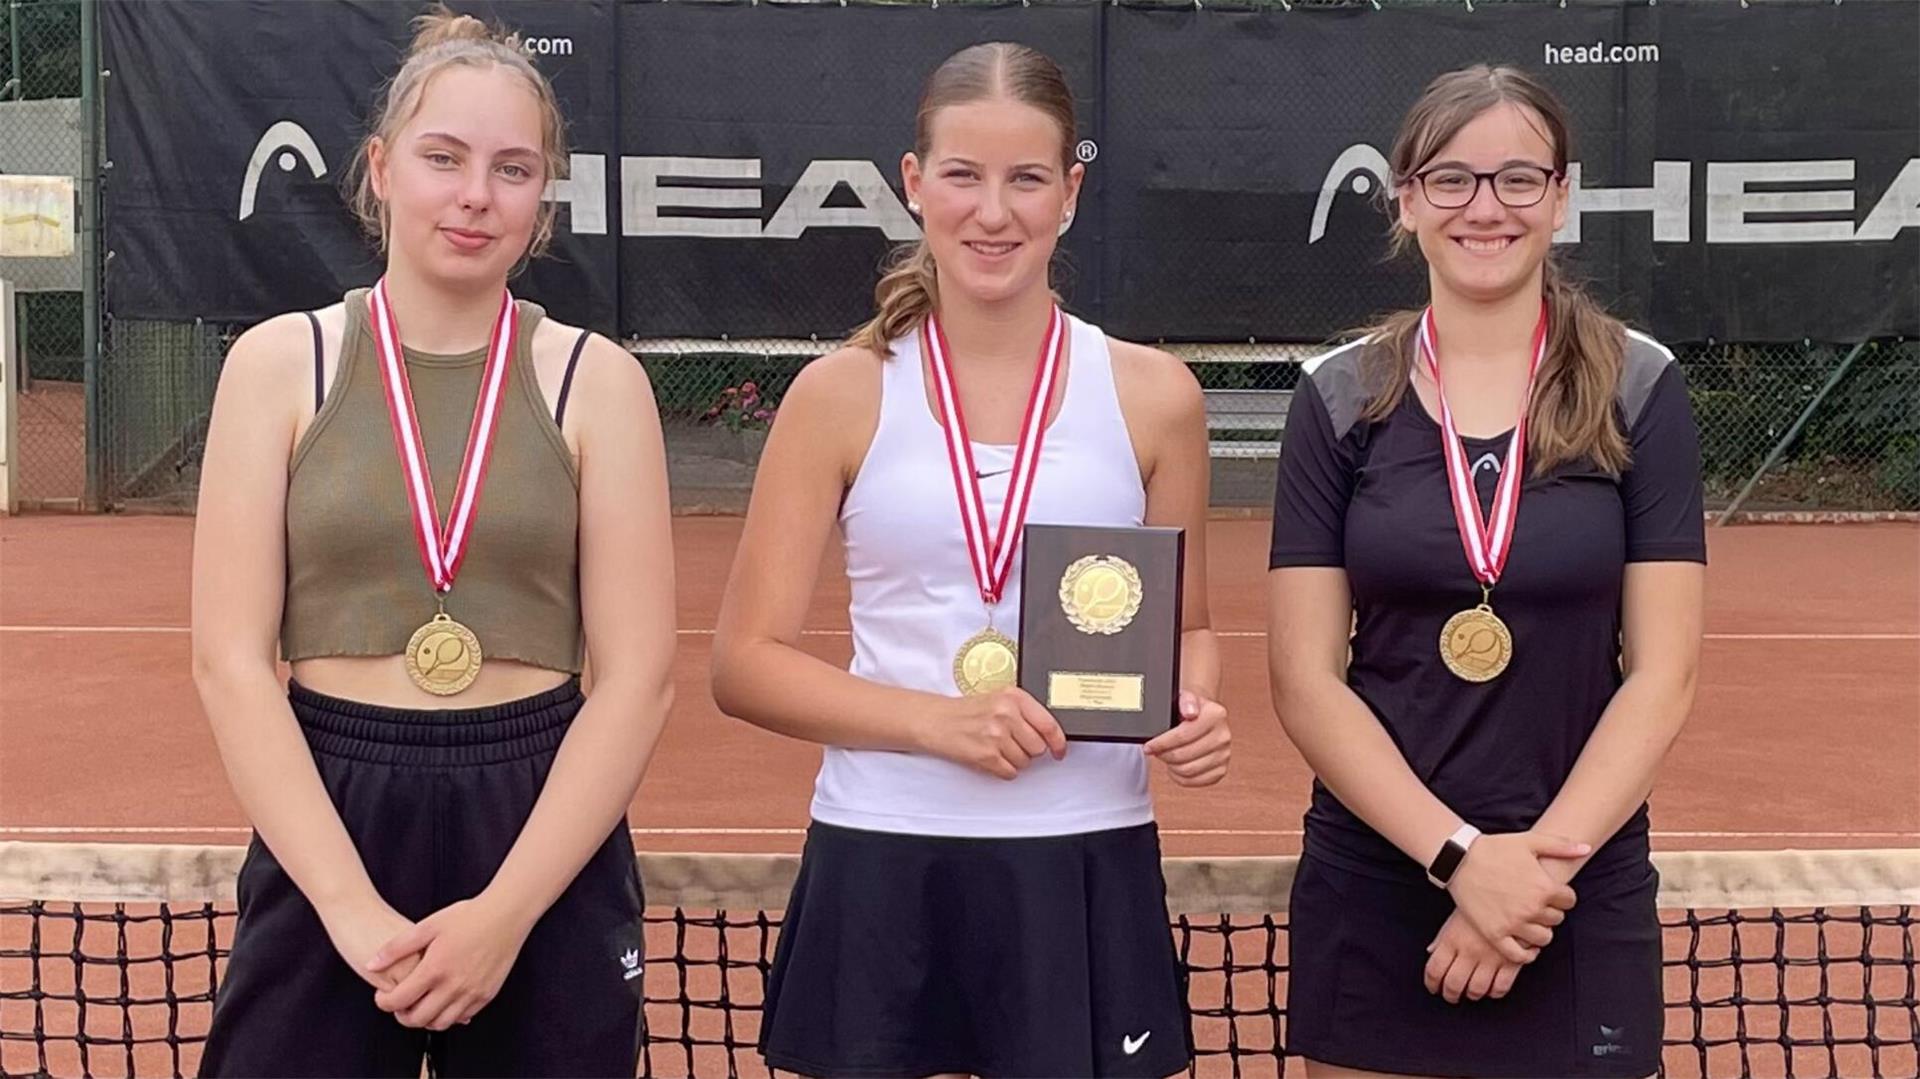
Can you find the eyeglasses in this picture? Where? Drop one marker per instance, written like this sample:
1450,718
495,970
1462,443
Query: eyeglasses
1516,186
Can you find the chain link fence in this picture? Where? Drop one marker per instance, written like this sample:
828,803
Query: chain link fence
42,133
1836,426
1814,426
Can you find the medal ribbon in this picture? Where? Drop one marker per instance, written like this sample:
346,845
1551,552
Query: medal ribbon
992,557
1486,547
442,549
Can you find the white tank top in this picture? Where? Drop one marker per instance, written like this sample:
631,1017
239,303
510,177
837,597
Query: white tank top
914,601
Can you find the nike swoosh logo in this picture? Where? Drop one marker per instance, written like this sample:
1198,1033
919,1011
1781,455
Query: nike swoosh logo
1131,1046
985,475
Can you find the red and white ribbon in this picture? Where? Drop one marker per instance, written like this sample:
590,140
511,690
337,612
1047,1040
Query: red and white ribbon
442,549
1486,545
992,556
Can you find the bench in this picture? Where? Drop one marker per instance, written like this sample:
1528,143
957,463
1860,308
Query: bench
1247,411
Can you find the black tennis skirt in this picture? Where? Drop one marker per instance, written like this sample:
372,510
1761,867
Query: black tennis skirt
1590,1005
908,955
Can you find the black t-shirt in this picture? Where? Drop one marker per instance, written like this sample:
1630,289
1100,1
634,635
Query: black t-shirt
1371,497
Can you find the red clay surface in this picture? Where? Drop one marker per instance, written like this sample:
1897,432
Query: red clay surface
1806,731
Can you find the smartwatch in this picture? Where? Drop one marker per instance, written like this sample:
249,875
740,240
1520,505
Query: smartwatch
1440,872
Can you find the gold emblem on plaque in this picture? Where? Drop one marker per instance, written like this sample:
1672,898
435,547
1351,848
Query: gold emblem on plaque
1476,645
986,663
1101,593
443,657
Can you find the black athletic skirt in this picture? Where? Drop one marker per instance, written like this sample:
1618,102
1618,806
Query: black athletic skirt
433,800
1590,1005
908,955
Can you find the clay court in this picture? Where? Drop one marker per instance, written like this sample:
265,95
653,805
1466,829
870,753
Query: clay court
1806,735
1806,732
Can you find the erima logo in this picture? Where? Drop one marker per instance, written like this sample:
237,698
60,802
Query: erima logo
289,139
1793,213
1611,1042
630,961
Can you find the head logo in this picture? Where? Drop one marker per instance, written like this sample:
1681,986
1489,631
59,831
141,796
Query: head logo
1368,168
289,139
652,188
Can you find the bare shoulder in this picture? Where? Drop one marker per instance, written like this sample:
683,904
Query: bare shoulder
843,383
830,412
271,362
1154,384
333,324
606,371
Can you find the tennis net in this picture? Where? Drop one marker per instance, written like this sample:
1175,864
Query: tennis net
1778,963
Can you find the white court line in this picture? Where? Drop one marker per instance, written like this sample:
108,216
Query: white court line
93,629
1813,636
1223,832
1228,633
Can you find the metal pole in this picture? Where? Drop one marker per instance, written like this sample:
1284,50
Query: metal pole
10,388
13,51
91,267
1792,433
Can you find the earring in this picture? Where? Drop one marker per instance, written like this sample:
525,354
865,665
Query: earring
1066,222
913,208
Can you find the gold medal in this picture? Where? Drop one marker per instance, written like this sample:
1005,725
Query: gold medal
986,663
1476,645
1101,593
443,657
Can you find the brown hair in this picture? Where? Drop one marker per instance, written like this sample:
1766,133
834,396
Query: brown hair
442,39
1571,415
908,290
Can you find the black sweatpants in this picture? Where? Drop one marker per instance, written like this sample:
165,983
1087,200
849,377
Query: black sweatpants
433,801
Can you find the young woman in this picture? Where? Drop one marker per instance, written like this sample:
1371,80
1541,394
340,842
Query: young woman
976,895
1500,495
437,502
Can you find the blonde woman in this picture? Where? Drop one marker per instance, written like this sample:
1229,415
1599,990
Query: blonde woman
976,895
436,502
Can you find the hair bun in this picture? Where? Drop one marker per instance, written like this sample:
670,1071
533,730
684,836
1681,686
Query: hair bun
440,26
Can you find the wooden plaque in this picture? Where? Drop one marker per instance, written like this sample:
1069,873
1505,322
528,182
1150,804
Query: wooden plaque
1100,628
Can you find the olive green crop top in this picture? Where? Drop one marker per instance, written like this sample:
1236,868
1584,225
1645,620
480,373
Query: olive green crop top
355,583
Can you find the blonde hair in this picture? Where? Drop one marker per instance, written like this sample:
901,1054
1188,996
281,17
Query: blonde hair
442,39
909,288
1571,416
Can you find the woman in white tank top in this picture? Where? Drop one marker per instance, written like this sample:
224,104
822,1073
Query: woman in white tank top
976,895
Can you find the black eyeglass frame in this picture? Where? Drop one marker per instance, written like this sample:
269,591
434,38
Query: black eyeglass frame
1489,178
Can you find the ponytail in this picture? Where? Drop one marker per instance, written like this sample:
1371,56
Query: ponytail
905,295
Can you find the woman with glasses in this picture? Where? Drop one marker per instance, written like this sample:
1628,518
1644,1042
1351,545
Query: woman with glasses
1484,625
